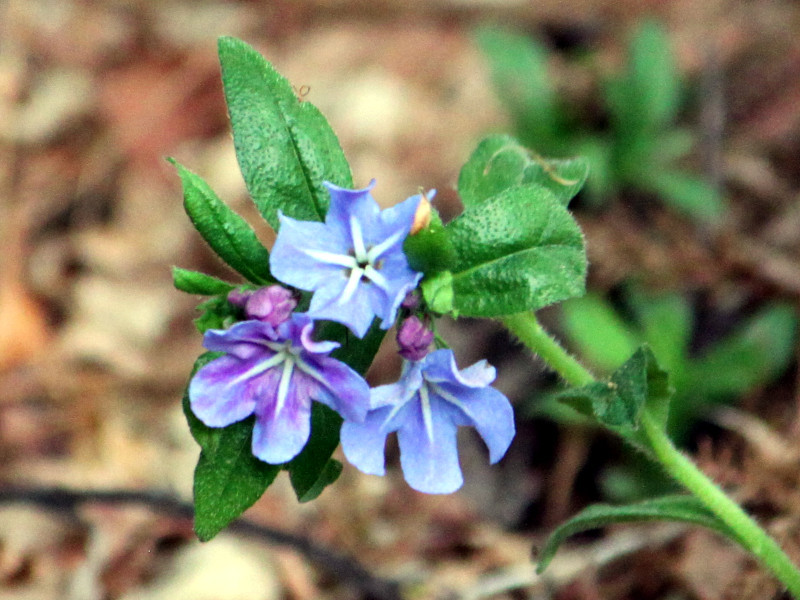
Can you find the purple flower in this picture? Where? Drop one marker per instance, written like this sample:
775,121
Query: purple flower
273,304
353,262
274,373
414,339
426,407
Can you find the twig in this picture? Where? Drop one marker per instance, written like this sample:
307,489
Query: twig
342,567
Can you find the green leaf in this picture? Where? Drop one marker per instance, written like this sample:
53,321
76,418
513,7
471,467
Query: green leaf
517,251
638,385
519,73
667,327
227,233
228,479
597,331
686,509
756,353
217,313
689,194
310,471
201,284
437,290
430,250
500,162
285,147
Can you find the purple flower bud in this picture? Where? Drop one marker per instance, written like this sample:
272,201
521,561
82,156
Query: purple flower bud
238,297
411,301
273,305
414,338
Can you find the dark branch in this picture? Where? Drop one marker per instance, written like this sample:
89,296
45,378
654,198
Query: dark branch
341,567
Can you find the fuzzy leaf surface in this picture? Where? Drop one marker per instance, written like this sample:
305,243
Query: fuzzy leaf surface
285,147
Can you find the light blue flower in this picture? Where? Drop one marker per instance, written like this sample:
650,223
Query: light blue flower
274,373
353,262
426,407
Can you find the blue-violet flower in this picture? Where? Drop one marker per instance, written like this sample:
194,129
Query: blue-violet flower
426,407
274,373
353,262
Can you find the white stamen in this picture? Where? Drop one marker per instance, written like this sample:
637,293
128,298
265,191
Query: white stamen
358,241
331,258
427,415
376,251
283,387
259,368
352,284
373,274
311,371
445,395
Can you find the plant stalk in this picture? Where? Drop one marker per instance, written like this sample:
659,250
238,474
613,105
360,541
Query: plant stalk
751,536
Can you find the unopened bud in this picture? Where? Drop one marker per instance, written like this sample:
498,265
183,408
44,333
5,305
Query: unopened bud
414,339
272,304
422,218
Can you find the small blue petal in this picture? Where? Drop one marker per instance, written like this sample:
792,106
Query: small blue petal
363,443
279,436
215,396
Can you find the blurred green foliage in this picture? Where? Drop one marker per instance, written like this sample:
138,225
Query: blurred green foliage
641,147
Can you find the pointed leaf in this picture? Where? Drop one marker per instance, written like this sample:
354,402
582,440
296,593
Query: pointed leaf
285,147
517,251
500,162
685,509
310,471
227,233
201,284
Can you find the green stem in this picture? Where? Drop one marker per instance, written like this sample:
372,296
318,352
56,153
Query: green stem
527,329
750,535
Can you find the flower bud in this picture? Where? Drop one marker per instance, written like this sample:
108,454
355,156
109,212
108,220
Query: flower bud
414,338
271,304
422,218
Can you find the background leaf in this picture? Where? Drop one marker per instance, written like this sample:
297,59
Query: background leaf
285,147
686,509
227,233
517,251
310,471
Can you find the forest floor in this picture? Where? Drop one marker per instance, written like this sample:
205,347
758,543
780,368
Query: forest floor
96,345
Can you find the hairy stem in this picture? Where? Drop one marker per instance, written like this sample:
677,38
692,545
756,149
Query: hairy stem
750,535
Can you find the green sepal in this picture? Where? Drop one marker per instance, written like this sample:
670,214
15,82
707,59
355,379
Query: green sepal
193,282
517,251
437,290
227,233
430,250
216,313
686,509
618,403
501,162
285,147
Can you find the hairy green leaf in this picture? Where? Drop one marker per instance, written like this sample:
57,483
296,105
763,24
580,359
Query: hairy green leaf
227,233
517,251
685,509
285,147
500,162
201,284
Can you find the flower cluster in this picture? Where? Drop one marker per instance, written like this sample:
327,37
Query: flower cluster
272,367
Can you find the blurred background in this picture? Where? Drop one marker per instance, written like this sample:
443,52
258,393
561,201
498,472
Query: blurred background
689,111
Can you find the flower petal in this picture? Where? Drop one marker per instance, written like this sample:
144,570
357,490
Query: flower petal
440,365
278,438
488,411
217,396
364,443
243,340
339,386
430,463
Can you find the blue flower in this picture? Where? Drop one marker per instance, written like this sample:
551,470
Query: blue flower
274,373
353,262
426,407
